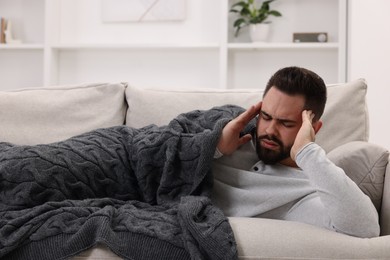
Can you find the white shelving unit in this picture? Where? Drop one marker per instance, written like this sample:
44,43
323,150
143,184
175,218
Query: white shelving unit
282,45
69,44
251,64
21,47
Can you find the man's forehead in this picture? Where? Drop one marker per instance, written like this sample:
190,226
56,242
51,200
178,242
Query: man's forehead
282,106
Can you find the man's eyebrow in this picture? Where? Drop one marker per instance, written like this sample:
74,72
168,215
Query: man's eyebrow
283,120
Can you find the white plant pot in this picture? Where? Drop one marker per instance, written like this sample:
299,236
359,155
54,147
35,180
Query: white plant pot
259,32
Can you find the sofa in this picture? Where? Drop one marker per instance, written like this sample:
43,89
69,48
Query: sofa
49,114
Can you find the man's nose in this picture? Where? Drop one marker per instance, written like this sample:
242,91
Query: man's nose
271,128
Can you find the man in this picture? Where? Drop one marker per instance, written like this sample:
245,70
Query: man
293,180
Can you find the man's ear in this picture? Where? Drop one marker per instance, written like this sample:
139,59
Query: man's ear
317,126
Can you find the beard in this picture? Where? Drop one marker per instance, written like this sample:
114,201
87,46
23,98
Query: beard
269,156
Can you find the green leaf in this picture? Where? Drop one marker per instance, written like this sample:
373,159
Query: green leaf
275,13
239,22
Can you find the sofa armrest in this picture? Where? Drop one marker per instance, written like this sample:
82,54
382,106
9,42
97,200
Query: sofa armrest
385,209
365,163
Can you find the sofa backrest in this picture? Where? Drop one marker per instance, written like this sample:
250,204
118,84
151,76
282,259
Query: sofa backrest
45,115
345,117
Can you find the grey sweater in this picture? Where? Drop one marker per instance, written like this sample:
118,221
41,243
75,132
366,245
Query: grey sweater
317,193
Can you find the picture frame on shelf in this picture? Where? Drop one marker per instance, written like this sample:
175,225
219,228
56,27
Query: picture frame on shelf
143,10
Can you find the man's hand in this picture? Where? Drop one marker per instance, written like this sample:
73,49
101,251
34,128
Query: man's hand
230,139
306,133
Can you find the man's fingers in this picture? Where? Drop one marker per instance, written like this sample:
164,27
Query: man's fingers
308,115
246,138
249,114
230,139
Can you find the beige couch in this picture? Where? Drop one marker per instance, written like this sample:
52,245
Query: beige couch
44,115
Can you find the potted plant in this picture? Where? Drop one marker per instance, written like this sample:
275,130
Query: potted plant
254,17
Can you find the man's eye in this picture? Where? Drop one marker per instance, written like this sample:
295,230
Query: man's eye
265,117
288,125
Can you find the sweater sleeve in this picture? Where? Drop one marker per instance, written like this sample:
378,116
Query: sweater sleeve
350,210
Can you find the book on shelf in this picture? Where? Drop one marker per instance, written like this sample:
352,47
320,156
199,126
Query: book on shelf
3,27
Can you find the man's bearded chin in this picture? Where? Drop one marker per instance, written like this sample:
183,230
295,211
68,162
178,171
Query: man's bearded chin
271,156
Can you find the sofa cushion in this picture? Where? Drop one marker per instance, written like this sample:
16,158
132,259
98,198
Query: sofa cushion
365,164
50,114
259,238
156,106
345,116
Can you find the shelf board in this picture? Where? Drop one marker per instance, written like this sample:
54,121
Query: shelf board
21,46
282,45
135,46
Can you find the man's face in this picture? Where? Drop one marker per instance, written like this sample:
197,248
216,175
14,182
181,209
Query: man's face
279,121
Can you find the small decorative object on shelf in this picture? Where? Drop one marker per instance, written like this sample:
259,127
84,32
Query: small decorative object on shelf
254,17
3,26
6,32
310,37
8,35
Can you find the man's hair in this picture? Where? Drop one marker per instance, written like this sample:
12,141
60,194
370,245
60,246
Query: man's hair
300,81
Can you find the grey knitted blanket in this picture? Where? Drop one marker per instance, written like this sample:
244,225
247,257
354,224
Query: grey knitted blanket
142,192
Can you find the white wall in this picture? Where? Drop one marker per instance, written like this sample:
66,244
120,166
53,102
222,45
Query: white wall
171,67
369,58
81,22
